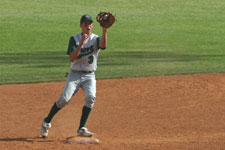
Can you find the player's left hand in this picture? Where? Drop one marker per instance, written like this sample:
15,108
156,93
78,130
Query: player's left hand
106,19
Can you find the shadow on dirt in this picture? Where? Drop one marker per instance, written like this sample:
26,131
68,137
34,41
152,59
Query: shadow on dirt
31,140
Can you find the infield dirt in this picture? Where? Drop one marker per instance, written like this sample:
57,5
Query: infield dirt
164,112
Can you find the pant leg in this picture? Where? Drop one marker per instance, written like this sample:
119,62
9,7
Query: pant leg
89,87
71,87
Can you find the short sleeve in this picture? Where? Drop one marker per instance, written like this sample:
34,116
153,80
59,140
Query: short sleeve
72,46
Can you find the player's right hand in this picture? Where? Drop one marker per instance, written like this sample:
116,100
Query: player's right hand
84,37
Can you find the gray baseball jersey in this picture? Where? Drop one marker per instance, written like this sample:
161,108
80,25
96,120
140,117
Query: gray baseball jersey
87,59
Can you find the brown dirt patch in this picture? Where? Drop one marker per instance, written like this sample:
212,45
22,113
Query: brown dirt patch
167,112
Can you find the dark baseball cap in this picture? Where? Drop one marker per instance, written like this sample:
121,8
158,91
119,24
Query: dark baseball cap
85,18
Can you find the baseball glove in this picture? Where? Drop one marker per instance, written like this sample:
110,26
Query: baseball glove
106,19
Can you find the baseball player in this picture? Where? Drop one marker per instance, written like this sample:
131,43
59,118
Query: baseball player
83,52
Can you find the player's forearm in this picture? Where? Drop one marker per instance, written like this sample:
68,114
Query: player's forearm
75,54
103,42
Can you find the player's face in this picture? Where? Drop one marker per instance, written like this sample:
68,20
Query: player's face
86,27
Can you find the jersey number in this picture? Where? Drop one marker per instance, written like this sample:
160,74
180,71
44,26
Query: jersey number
90,59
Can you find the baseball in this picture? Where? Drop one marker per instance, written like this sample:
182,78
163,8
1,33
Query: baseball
105,17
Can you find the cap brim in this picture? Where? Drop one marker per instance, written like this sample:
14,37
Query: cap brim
86,20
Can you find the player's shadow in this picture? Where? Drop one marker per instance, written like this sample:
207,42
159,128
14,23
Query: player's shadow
30,140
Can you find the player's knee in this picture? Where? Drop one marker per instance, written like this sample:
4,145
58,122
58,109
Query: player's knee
89,101
62,102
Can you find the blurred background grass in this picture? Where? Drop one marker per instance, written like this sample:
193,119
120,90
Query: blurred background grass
163,37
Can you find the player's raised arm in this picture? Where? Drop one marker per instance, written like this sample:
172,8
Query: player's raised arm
106,20
103,41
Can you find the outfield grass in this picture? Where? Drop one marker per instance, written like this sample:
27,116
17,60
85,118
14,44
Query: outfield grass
162,37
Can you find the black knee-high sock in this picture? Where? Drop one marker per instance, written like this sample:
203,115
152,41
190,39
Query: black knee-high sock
85,113
52,113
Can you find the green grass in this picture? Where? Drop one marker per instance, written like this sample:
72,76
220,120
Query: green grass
163,37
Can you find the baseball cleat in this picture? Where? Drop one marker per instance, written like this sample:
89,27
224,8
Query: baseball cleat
44,129
84,132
